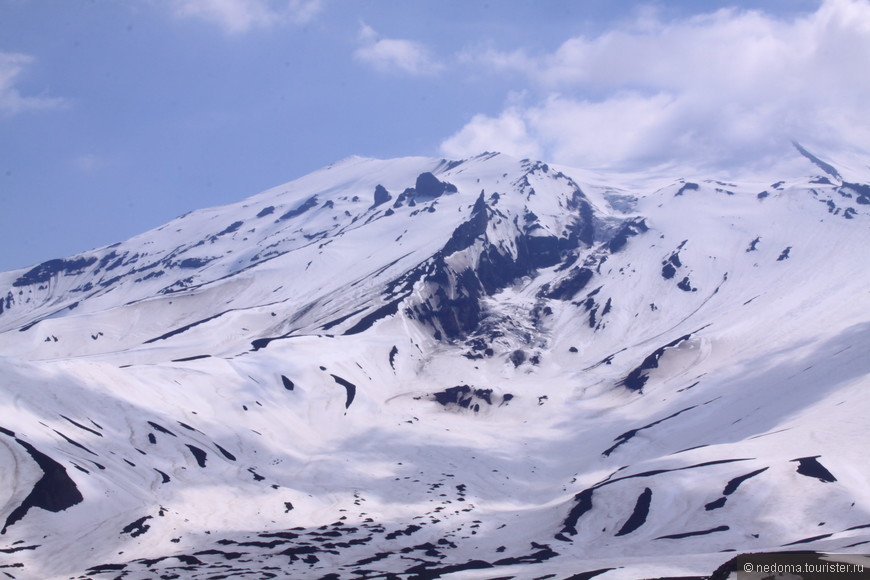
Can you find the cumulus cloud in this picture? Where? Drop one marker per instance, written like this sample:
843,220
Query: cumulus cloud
394,55
11,100
239,16
727,88
509,133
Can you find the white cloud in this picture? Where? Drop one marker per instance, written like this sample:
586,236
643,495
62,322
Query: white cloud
508,133
87,163
11,100
726,88
394,55
239,16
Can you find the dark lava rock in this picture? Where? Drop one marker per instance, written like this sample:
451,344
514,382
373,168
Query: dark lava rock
568,287
305,206
55,491
637,378
381,195
629,229
429,186
350,388
688,186
811,467
639,514
44,272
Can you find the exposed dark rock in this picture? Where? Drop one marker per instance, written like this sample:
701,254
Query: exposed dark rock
625,437
581,228
288,384
716,504
45,271
637,378
753,244
428,186
808,540
568,287
381,195
543,251
811,467
161,428
467,397
518,357
192,263
453,307
365,322
190,358
138,527
184,328
784,254
302,208
688,186
55,491
335,322
106,568
229,229
639,514
407,531
686,286
266,211
669,266
430,570
198,454
80,426
74,442
469,231
582,504
589,575
543,553
349,387
225,453
732,485
826,167
692,534
629,229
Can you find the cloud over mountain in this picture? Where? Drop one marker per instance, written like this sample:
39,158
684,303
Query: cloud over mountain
732,86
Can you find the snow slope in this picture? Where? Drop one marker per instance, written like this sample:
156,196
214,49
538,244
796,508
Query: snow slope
423,368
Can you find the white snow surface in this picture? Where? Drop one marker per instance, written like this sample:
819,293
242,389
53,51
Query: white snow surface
236,395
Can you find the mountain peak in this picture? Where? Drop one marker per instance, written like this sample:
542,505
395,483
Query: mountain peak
826,167
484,363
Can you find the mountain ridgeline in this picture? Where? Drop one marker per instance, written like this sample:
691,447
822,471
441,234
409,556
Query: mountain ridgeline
426,368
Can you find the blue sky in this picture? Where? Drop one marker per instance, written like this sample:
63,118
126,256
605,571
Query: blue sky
116,117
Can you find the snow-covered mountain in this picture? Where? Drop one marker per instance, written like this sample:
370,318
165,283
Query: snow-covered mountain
421,368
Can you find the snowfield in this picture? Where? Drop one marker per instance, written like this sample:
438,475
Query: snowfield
421,368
